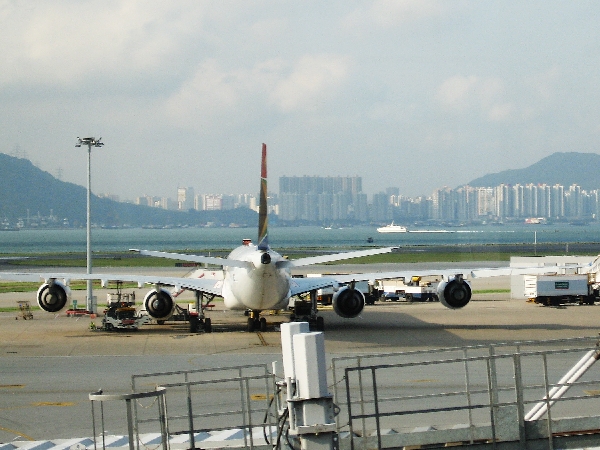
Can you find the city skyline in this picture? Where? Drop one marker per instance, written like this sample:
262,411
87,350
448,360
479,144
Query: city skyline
334,198
315,199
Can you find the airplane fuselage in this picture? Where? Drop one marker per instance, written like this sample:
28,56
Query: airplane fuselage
261,286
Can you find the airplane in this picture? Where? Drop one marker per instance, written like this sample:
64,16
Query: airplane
255,278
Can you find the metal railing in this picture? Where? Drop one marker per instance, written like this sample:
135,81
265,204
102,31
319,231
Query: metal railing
480,393
209,400
339,364
131,419
467,395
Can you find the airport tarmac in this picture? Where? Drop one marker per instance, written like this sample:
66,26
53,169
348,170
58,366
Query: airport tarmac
383,327
49,365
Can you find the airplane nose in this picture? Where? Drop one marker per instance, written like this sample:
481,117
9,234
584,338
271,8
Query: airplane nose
265,258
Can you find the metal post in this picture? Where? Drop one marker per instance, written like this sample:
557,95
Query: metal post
132,442
188,391
89,303
468,394
376,403
89,142
520,399
547,399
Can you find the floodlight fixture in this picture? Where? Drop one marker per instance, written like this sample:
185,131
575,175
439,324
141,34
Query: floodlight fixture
89,141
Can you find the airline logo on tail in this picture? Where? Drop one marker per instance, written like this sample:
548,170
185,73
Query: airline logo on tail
263,217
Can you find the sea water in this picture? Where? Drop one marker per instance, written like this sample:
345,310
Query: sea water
109,240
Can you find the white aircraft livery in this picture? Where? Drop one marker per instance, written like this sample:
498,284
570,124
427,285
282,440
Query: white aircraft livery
256,278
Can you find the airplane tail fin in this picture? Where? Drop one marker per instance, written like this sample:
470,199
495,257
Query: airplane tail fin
263,218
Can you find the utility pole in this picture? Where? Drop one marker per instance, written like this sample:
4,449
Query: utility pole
89,142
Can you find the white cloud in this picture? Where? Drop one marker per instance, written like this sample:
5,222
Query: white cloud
214,92
544,83
500,112
65,41
471,93
312,80
391,13
267,30
209,94
456,92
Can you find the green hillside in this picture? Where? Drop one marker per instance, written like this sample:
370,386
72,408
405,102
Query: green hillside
27,191
566,169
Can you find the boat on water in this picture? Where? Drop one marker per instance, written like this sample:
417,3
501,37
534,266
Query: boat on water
535,220
392,229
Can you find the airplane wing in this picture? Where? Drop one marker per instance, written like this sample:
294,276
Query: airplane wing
302,285
280,264
209,286
195,258
333,257
445,273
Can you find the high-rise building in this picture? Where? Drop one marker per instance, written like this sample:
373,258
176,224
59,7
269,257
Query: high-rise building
212,202
321,199
185,198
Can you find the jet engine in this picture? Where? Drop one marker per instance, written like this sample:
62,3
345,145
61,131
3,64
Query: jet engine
348,302
53,296
159,304
455,292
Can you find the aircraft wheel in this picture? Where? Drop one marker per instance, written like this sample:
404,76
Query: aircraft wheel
251,325
207,325
108,327
194,322
262,324
320,324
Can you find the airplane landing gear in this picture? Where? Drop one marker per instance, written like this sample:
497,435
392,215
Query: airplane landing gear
320,323
256,323
307,311
197,324
199,321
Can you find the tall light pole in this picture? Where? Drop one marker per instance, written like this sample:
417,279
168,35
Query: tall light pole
90,142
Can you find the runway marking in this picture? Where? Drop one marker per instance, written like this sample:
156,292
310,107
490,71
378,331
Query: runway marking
262,339
53,404
12,386
423,381
592,392
260,396
24,436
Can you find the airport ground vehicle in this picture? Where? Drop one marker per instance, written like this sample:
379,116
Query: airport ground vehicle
414,290
552,290
121,313
325,295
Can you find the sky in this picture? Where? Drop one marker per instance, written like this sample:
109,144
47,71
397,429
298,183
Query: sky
414,94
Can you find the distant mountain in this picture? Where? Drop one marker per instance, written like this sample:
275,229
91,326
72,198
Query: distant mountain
559,168
26,191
